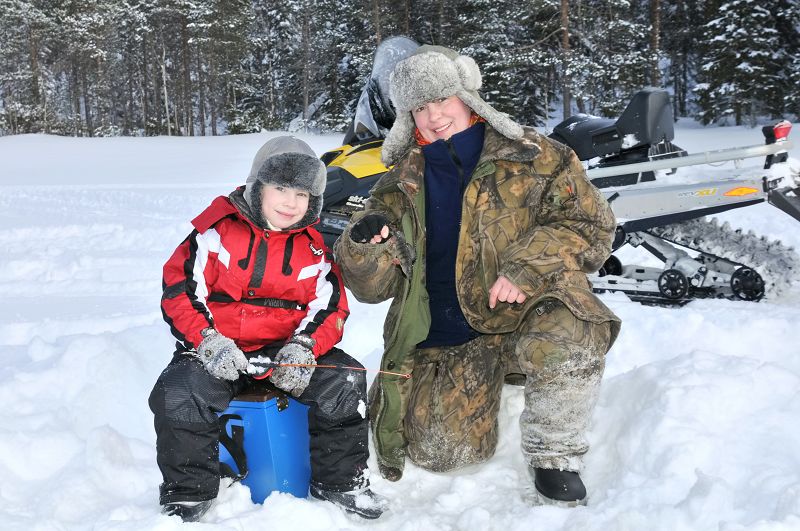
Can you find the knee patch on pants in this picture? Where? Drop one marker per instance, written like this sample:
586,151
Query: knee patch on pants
451,419
340,394
556,343
185,392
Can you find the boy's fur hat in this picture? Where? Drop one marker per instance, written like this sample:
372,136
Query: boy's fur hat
286,161
430,73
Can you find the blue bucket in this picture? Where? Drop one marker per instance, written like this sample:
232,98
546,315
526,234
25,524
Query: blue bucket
275,441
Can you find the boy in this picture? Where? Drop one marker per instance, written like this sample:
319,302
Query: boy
255,280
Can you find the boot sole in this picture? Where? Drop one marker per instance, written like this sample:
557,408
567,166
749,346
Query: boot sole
355,511
541,499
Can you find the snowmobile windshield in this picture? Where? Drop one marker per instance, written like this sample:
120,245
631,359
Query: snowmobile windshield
374,112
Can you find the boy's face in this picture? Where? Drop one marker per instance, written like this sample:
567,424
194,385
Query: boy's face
283,206
442,118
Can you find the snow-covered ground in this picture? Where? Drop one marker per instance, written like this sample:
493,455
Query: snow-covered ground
696,428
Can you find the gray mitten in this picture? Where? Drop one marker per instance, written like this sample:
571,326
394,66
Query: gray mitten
296,352
220,355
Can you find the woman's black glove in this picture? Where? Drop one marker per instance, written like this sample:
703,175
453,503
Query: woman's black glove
368,227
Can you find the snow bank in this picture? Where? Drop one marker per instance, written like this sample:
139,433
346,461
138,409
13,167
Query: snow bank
695,429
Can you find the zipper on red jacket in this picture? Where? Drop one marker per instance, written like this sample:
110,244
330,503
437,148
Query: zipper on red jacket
261,262
244,262
288,247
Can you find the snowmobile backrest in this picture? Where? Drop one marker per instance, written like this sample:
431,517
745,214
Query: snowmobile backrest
647,120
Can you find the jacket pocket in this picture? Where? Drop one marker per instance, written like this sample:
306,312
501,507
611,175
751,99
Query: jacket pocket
495,230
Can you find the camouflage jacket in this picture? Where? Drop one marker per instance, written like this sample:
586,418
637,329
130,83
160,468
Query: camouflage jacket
529,213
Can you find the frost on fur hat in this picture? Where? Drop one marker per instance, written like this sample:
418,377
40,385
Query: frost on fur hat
286,161
434,72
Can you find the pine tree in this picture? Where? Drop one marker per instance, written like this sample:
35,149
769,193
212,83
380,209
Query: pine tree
230,82
272,33
497,34
25,82
611,60
738,75
680,34
786,100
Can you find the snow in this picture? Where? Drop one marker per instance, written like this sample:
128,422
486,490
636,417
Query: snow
696,426
629,140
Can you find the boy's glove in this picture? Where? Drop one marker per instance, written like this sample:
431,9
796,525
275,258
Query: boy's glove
220,355
297,351
367,227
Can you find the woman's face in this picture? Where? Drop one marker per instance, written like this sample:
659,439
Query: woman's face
442,118
283,206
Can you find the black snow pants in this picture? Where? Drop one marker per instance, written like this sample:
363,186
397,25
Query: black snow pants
186,399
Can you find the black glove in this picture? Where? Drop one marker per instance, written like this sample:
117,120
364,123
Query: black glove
367,227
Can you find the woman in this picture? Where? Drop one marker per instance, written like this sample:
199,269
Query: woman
483,233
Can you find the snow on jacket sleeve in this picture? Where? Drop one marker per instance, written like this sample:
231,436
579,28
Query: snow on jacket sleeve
187,275
327,310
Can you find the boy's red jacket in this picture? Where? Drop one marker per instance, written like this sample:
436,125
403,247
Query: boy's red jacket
222,272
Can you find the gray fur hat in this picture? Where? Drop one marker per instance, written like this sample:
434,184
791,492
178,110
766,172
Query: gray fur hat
286,161
430,73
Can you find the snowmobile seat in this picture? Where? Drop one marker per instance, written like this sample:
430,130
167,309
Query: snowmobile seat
646,121
579,132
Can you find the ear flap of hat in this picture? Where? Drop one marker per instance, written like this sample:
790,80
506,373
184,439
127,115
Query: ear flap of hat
501,122
469,72
399,139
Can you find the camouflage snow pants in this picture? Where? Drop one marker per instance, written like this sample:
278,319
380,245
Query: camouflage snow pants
451,420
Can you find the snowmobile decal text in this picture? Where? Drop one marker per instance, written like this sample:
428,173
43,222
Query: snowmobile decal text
705,192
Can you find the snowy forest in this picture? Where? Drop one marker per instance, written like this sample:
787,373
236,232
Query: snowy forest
212,67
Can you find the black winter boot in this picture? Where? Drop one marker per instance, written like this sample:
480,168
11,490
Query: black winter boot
560,485
362,502
189,511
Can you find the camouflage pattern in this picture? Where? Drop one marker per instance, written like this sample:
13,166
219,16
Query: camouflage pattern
529,213
451,420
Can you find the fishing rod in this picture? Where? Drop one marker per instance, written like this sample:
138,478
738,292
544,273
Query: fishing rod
260,366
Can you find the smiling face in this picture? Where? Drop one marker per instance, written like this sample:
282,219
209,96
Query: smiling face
283,206
442,118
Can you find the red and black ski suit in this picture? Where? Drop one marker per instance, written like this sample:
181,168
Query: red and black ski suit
258,287
228,269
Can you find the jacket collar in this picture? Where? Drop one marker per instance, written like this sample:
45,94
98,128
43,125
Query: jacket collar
496,147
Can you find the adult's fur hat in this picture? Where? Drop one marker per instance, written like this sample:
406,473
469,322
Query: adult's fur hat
430,73
286,161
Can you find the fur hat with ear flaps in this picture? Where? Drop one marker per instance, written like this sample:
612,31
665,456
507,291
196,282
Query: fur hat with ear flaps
430,73
286,161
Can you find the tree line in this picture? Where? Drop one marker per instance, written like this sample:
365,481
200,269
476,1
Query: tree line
209,67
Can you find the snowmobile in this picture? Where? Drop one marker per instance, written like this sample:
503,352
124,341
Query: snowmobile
624,156
356,166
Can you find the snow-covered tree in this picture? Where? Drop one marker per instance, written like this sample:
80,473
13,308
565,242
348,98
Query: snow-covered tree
738,75
786,101
611,58
25,81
